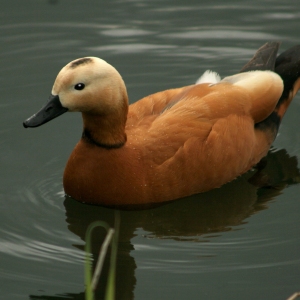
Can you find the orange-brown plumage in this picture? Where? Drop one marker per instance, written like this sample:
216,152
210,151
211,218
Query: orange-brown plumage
172,151
170,144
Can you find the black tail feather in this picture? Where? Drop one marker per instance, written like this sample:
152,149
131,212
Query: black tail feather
264,58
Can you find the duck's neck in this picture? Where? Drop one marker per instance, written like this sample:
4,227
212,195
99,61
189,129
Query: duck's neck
106,131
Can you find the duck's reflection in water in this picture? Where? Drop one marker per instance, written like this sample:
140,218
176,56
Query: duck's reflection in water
186,219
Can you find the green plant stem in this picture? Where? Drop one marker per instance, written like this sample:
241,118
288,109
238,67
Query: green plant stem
102,253
89,295
111,237
111,283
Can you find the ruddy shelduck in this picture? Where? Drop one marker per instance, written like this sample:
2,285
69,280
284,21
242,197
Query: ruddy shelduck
174,143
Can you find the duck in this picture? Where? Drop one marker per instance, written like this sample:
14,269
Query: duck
173,143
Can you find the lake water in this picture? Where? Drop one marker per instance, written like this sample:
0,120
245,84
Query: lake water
236,242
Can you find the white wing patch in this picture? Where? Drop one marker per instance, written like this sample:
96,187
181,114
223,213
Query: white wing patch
209,77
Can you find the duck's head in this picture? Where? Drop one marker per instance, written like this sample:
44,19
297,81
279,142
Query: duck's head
88,85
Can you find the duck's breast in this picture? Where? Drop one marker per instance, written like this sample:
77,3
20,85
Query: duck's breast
104,176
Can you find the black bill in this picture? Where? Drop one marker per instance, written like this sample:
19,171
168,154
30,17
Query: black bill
51,110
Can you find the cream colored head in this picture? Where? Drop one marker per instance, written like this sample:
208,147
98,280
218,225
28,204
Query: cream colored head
90,85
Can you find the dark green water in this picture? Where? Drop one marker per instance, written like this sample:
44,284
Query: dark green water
237,242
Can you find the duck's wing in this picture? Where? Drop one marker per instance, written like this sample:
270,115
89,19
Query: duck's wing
242,98
148,108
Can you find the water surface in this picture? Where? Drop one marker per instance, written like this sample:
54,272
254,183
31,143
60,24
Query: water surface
237,242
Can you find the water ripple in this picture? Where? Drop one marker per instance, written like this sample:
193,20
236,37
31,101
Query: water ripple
28,230
130,48
38,251
224,34
229,255
123,32
281,16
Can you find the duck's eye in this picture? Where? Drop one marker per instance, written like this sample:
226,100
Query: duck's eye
79,86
